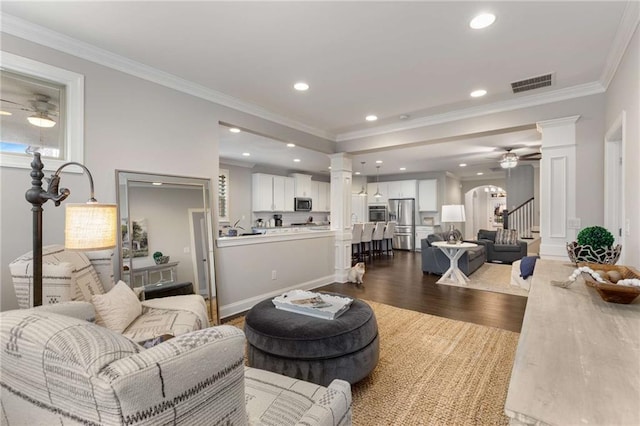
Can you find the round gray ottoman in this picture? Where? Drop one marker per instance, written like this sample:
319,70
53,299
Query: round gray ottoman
313,349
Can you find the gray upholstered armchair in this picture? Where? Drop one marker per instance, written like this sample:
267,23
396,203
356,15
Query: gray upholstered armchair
502,245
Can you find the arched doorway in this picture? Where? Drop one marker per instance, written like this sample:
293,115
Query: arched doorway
483,205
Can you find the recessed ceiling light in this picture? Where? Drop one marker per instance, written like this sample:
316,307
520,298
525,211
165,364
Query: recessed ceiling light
329,167
371,117
296,160
482,20
357,173
403,168
246,154
291,145
462,164
378,161
404,117
478,93
5,113
301,86
479,173
156,183
234,130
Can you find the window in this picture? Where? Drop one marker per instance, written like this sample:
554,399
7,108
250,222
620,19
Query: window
42,109
223,195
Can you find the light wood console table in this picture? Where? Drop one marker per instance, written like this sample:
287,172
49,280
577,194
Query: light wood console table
578,357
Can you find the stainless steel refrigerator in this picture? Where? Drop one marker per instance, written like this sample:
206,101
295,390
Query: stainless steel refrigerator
403,212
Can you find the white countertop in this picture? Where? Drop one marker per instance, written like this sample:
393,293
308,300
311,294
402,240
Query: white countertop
277,234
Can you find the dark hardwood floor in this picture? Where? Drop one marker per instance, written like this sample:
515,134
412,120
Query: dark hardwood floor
398,281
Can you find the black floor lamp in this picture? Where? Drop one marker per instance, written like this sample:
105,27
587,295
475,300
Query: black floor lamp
90,226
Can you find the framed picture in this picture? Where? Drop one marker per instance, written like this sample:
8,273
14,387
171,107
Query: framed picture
137,240
42,108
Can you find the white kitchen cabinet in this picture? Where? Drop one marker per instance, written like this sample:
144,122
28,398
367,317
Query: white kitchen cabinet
371,190
262,192
421,233
302,185
324,197
401,189
428,195
272,193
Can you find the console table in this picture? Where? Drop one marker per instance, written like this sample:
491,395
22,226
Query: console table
143,275
578,357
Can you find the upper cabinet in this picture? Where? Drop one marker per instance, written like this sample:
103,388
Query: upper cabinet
272,193
302,185
320,196
402,189
428,195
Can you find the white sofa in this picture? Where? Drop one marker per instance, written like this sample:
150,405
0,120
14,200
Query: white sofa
74,276
55,369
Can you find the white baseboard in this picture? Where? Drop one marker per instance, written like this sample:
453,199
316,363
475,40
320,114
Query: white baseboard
246,304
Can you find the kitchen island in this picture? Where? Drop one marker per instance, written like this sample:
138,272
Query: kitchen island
257,267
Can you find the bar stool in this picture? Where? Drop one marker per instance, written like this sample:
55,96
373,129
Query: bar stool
367,233
388,236
378,235
356,238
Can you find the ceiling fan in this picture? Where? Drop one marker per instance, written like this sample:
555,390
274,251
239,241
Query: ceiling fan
41,107
510,159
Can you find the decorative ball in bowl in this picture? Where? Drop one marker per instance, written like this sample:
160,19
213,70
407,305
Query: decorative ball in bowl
161,260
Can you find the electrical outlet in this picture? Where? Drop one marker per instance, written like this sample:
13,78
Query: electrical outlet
274,275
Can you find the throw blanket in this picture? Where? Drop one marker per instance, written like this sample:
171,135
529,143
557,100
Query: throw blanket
193,303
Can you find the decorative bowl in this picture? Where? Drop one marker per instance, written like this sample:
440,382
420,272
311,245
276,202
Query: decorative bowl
161,260
611,292
604,255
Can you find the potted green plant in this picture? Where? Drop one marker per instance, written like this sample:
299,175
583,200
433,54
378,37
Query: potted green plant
594,245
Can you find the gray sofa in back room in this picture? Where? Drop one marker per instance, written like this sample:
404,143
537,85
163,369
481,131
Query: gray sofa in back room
434,261
503,253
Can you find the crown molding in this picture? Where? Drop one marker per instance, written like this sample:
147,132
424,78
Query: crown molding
628,26
578,91
37,34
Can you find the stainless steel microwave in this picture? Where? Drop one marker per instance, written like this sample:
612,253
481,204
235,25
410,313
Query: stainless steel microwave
302,204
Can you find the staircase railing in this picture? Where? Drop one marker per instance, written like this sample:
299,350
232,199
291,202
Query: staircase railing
520,219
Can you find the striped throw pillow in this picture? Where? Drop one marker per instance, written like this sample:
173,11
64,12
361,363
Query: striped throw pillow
507,236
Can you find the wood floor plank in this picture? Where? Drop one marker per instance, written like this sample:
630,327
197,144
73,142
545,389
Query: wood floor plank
398,281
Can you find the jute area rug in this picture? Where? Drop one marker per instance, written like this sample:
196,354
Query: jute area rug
433,371
491,277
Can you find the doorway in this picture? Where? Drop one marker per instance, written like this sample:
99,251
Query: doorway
614,185
484,206
199,249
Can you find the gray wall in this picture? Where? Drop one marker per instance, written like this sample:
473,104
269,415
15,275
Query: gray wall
239,194
623,94
122,131
519,185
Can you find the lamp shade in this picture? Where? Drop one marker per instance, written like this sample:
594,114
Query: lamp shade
453,213
90,226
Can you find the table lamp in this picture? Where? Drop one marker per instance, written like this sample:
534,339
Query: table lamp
90,226
452,213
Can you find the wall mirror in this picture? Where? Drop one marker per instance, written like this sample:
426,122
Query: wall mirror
165,242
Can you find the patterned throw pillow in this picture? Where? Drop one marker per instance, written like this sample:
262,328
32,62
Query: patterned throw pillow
507,236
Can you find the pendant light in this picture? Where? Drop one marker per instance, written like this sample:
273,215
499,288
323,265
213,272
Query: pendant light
363,192
377,194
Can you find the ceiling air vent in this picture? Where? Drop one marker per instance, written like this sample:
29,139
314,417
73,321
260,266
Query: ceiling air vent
531,83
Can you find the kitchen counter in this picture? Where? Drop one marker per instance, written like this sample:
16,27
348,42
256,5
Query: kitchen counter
281,233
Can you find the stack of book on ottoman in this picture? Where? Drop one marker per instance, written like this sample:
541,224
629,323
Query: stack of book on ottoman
319,305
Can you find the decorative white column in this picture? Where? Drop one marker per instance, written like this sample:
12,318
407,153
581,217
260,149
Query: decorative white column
558,221
341,213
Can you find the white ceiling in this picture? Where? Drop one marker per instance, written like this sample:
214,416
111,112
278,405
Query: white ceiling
360,58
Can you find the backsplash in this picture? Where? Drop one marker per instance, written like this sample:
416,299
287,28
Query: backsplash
294,217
